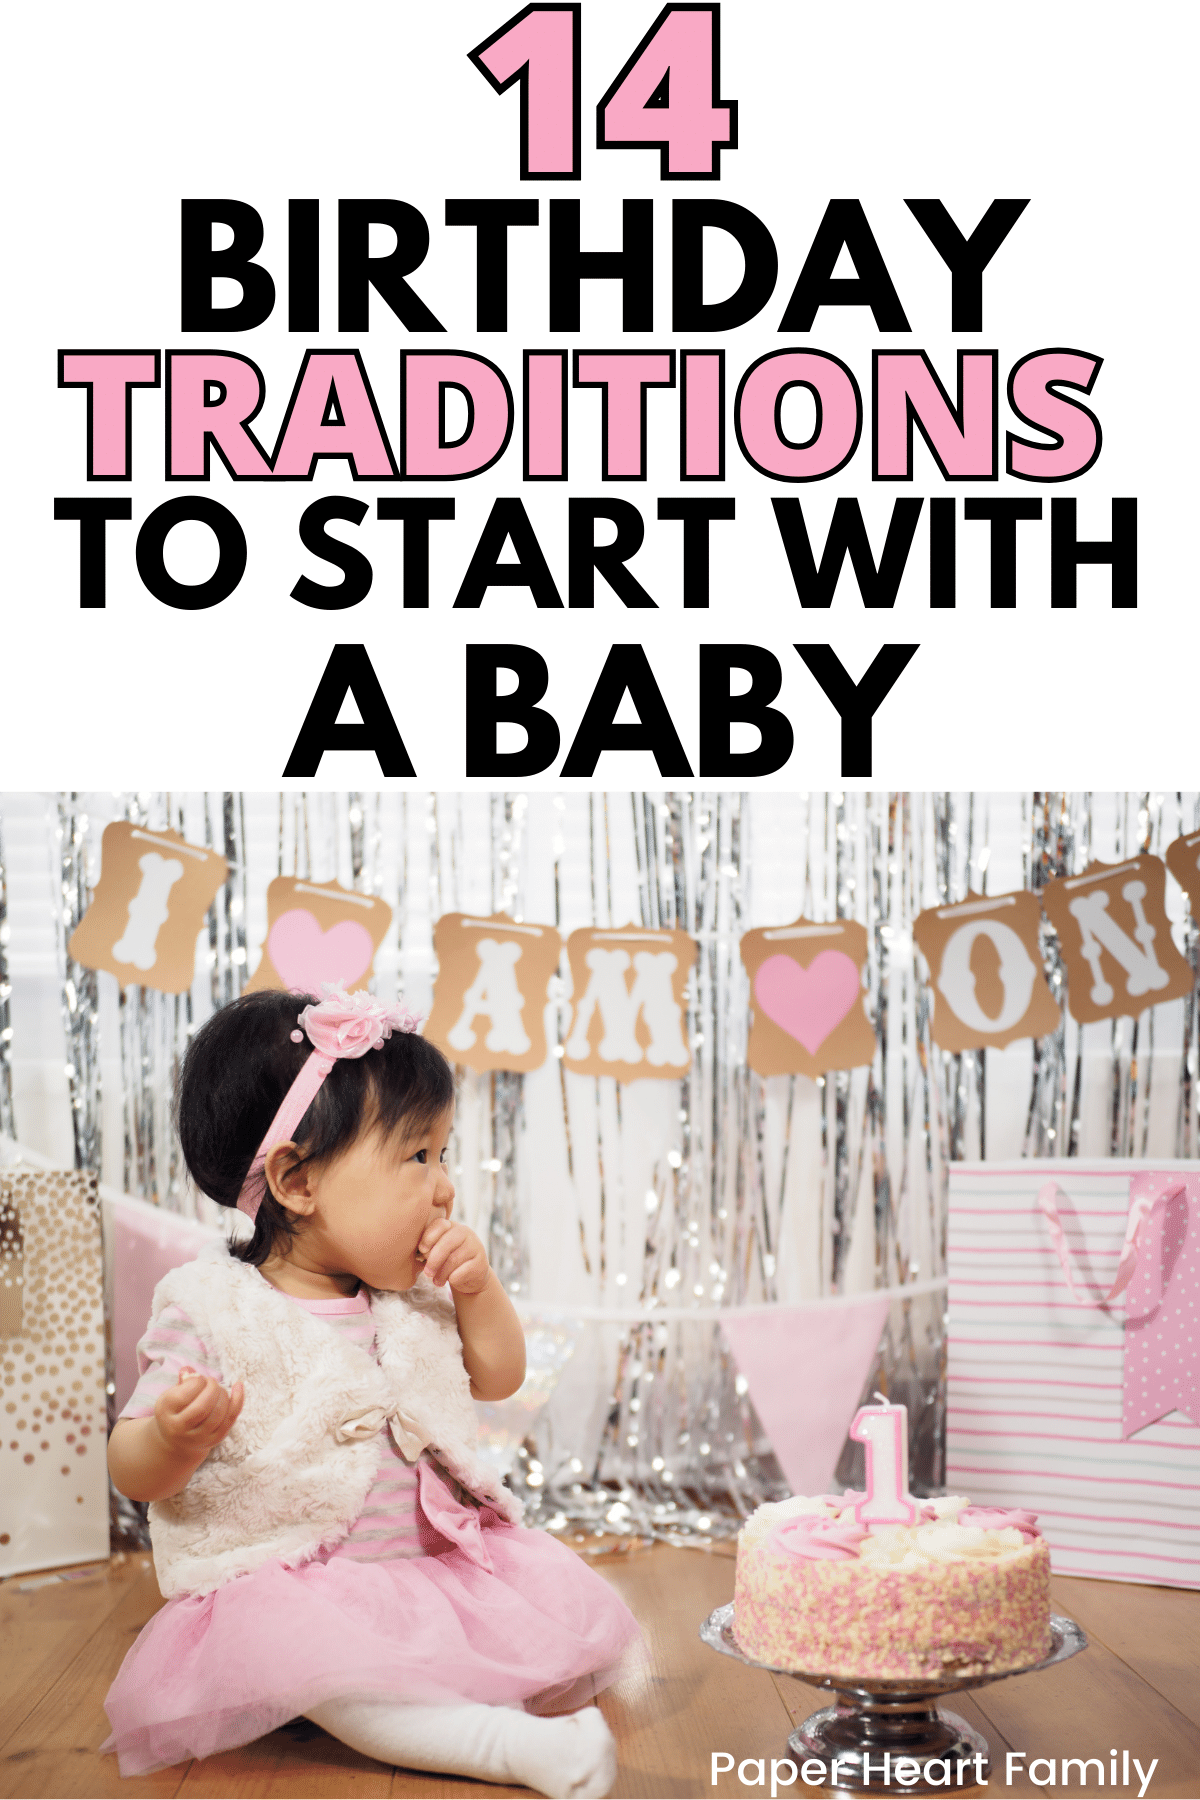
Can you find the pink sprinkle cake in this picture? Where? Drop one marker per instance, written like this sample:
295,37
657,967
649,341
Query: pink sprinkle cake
964,1591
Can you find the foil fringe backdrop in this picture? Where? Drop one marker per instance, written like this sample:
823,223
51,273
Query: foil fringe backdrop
687,1195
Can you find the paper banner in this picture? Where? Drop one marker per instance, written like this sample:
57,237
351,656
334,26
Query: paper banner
319,931
489,998
629,1017
807,1011
806,1367
144,1243
148,907
1183,860
504,1425
985,964
1115,938
1161,1369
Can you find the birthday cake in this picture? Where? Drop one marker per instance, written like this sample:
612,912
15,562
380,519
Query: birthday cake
964,1590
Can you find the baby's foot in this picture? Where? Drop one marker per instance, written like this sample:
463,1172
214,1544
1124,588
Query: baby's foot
574,1758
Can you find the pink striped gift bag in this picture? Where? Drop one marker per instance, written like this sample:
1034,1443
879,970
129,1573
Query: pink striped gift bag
1074,1358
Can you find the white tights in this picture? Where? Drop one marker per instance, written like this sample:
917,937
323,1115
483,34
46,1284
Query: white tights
572,1756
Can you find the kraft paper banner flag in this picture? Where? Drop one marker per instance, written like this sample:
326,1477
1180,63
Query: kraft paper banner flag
1183,860
985,964
319,931
490,995
807,1011
629,1017
148,908
805,1367
1116,940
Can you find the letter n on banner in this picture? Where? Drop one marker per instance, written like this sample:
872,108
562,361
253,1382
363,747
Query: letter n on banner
1116,939
629,1017
489,999
985,964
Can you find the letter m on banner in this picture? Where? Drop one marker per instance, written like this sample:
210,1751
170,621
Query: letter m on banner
630,1009
1116,940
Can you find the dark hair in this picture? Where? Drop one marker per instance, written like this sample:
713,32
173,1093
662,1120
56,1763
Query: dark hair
238,1068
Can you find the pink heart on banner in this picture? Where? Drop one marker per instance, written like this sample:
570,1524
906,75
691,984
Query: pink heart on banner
807,1003
305,956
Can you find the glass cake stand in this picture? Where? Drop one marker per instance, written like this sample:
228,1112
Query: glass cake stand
898,1718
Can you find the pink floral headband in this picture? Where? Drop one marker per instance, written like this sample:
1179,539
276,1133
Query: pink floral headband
341,1025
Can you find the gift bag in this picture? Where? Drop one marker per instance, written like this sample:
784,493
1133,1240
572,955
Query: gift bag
1073,1358
54,1490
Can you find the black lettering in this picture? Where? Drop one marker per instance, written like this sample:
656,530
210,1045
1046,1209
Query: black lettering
486,708
586,556
626,671
966,258
349,671
93,516
231,558
719,708
815,584
690,220
355,584
856,705
696,515
200,265
359,271
632,265
508,522
416,515
1003,516
491,219
1067,552
844,227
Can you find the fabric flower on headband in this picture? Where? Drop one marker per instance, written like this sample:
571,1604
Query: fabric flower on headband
341,1025
351,1024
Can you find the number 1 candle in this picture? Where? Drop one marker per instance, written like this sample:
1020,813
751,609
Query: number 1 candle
884,1432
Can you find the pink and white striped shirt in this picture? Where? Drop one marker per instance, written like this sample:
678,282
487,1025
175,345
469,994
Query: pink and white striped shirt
390,1522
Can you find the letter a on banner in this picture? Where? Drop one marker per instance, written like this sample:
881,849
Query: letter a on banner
806,997
1116,940
985,964
629,1017
148,907
489,999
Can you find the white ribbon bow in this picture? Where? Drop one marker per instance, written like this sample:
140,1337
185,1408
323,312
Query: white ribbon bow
409,1437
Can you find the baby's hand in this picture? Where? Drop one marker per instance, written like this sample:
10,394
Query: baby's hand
196,1414
453,1253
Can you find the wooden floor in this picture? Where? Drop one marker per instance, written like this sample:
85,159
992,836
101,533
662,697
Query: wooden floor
1136,1688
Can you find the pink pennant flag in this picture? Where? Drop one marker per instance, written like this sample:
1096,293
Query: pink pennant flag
1162,1369
806,1367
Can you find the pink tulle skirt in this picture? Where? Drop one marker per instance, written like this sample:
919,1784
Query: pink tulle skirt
496,1614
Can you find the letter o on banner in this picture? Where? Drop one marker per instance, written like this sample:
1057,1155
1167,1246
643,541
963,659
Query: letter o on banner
1017,975
231,559
757,410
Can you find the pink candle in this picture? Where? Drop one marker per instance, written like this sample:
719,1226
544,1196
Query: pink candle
884,1432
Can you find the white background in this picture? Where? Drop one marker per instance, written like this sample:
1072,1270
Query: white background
113,114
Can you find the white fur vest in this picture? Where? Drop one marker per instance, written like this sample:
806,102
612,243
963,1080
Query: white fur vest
288,1481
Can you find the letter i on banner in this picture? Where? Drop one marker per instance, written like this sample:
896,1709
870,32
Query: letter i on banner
630,995
489,998
148,907
1116,939
985,964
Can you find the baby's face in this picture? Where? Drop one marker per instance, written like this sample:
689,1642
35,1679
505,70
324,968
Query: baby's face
374,1202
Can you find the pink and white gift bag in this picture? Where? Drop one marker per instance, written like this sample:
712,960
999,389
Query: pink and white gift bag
1074,1358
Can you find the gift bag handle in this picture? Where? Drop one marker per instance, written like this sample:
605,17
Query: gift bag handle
1140,1207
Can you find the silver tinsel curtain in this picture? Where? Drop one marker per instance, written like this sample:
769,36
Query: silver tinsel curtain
625,1218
